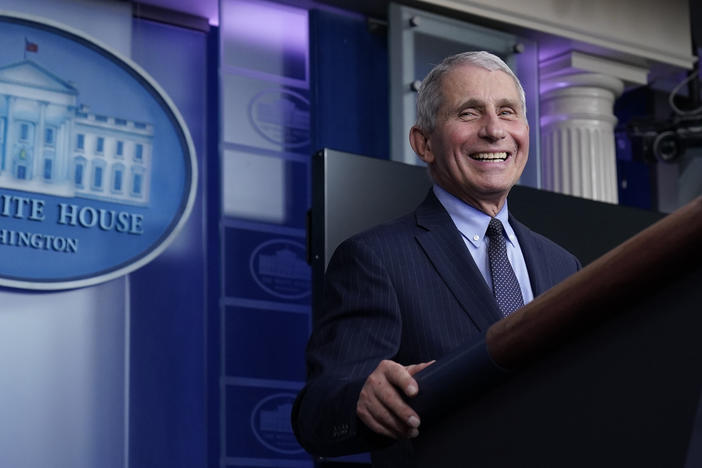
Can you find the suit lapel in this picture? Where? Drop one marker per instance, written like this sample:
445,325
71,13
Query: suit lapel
534,257
446,250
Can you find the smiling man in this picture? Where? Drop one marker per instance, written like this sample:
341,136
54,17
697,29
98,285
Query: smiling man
405,293
476,140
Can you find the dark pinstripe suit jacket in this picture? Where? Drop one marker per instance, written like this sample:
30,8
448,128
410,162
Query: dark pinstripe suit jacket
407,291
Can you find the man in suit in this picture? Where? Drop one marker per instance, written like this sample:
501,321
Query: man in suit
406,293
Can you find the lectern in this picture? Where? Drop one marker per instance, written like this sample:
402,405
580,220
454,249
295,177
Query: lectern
604,370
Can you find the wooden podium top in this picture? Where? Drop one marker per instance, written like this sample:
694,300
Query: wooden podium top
651,258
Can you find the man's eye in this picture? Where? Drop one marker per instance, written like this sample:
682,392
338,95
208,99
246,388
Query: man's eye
468,114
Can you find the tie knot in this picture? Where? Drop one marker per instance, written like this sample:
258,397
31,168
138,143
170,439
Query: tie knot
494,228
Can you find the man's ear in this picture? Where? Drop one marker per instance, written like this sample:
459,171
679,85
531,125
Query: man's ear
421,145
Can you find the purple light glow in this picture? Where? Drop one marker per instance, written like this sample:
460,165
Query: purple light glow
271,25
554,83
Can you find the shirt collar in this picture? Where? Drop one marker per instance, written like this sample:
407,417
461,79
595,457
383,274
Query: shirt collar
471,222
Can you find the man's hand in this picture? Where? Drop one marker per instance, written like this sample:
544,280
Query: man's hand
380,405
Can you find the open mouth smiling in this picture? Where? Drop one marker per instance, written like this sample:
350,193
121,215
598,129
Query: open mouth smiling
490,157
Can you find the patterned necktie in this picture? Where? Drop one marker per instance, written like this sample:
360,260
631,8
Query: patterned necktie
505,286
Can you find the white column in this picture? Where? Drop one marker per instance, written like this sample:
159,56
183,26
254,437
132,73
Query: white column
577,135
577,122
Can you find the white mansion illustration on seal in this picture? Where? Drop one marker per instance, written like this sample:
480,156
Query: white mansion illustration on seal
51,144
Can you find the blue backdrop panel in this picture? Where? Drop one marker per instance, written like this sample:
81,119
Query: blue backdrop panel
265,186
266,266
259,425
265,114
635,174
167,394
634,184
265,344
349,78
266,38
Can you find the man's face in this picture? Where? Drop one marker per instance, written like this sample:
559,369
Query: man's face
480,144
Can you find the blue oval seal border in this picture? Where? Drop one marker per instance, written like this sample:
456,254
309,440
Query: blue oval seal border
98,172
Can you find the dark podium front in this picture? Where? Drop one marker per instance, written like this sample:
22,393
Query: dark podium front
606,367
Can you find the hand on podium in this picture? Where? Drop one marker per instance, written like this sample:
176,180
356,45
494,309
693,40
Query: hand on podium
380,405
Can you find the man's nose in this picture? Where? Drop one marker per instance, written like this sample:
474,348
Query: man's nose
492,128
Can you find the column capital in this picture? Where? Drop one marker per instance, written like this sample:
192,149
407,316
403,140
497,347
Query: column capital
552,85
576,62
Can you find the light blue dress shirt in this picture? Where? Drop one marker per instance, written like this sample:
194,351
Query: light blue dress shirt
472,224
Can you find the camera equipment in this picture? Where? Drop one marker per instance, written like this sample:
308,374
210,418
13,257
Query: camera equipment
666,140
669,139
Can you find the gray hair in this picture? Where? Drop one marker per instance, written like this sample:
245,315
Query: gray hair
429,97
